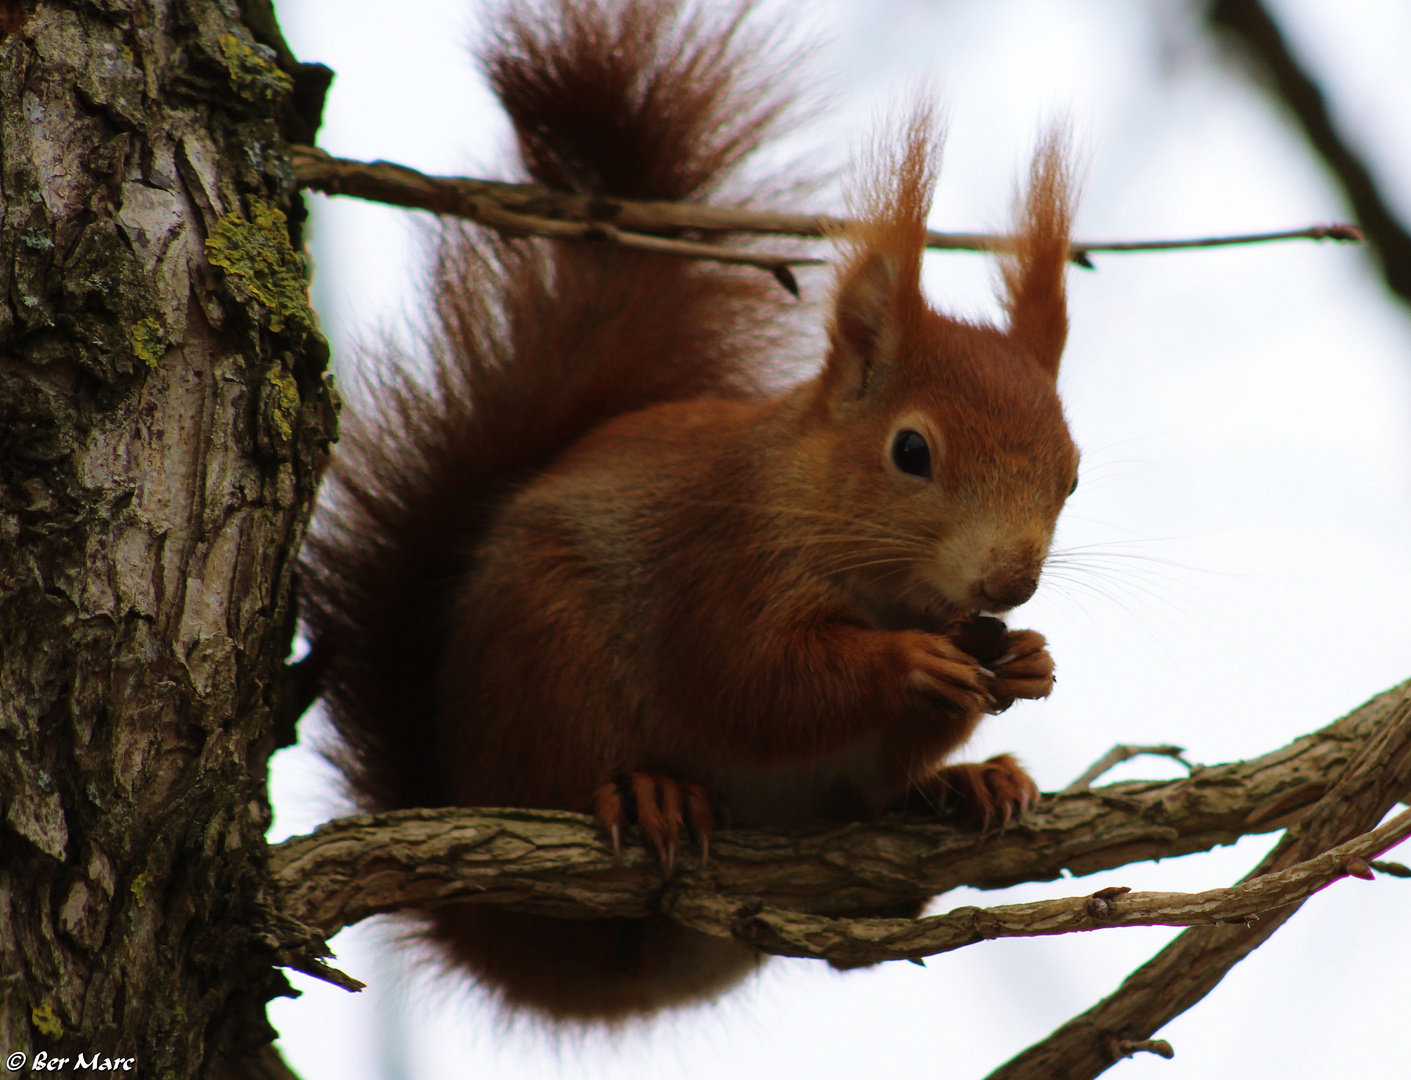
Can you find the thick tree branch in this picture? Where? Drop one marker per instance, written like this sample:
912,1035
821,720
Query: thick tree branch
561,864
1378,777
1250,23
870,941
533,210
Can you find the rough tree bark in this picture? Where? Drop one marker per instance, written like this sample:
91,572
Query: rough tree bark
162,410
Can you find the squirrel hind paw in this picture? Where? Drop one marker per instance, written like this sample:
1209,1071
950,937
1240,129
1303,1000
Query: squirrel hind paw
662,807
981,794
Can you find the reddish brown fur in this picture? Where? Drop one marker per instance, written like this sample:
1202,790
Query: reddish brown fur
1038,309
593,548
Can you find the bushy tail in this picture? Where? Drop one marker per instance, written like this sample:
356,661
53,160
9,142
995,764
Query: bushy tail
539,343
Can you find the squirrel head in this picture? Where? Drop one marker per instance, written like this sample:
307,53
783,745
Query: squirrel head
937,446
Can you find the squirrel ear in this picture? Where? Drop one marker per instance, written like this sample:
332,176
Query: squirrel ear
1034,270
879,293
864,323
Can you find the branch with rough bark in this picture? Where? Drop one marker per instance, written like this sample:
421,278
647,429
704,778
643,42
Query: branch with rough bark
784,891
533,210
558,863
1376,778
870,941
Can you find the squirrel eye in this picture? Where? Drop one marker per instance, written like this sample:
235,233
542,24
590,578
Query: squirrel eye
1074,487
911,455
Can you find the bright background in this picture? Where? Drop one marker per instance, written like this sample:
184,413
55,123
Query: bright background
1244,516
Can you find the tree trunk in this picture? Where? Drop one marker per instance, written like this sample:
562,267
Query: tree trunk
162,412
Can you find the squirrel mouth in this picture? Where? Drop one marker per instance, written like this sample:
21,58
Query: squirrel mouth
932,614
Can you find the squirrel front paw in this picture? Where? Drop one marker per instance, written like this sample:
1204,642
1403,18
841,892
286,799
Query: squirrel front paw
1017,661
940,669
1024,671
662,807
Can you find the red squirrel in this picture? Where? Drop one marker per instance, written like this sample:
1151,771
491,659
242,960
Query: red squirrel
595,563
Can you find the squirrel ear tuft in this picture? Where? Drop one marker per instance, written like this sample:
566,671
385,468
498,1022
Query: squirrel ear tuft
879,288
1034,271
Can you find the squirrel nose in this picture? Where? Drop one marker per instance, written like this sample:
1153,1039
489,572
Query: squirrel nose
1012,574
1012,582
1009,587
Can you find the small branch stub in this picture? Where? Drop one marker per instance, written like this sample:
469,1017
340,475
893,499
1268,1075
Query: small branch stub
1100,904
1121,753
1125,1048
1358,868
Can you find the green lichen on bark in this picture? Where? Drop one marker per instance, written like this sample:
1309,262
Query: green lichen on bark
285,403
149,341
261,265
255,78
279,414
45,1021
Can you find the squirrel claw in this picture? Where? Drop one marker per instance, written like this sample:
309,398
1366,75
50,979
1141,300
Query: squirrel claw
982,793
663,809
607,808
1026,671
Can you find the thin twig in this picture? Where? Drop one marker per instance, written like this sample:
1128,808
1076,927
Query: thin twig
869,941
535,210
1121,753
528,225
1348,233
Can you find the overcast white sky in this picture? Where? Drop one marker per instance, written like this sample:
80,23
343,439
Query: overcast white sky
1245,507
